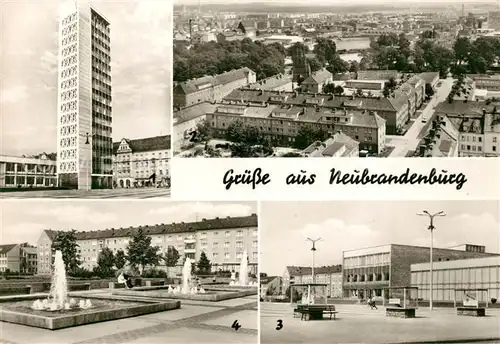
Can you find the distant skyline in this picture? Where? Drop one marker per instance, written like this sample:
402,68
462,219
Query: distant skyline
24,221
330,2
284,227
141,45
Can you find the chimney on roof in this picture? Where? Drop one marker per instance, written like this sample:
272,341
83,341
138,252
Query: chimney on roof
203,219
217,218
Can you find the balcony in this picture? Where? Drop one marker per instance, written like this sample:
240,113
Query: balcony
189,240
189,250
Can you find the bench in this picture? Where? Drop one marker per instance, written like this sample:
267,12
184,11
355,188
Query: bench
471,311
331,310
314,312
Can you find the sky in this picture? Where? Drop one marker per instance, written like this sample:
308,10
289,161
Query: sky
284,227
24,221
141,45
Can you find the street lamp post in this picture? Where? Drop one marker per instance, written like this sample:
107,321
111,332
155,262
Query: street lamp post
431,228
313,249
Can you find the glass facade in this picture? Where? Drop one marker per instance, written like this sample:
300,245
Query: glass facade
445,281
102,143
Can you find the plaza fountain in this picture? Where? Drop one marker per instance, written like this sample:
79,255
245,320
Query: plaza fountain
188,291
243,275
58,295
60,309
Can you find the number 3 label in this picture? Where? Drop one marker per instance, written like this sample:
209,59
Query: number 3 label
280,325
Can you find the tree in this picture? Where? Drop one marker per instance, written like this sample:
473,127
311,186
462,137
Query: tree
354,67
140,253
329,88
307,135
461,48
204,266
339,90
337,65
325,50
105,263
171,257
314,63
235,131
120,259
65,241
386,92
203,131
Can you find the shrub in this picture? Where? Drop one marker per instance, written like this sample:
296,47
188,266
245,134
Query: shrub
155,273
82,273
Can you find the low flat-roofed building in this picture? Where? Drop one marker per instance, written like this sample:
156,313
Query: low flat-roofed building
339,145
28,171
367,271
486,82
476,273
374,85
377,74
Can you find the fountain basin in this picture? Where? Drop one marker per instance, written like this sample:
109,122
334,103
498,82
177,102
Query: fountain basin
18,310
212,294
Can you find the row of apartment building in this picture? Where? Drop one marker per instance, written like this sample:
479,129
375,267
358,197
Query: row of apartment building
371,271
222,239
136,162
279,114
18,258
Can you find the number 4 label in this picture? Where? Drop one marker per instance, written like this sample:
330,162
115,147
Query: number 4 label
235,325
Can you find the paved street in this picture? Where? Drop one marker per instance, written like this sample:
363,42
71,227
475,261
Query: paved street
194,322
360,324
92,194
410,141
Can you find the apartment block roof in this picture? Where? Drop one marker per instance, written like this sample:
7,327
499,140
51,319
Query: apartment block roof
146,144
272,82
318,77
394,103
188,113
173,228
429,77
194,85
307,270
6,248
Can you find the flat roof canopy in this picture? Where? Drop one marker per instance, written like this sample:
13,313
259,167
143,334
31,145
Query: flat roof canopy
309,284
471,289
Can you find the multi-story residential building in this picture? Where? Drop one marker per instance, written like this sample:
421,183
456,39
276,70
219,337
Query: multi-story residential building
315,82
19,258
44,251
486,82
279,82
430,78
139,162
368,271
186,121
329,275
491,135
478,125
394,110
37,171
273,284
211,88
418,86
222,239
84,121
280,115
29,259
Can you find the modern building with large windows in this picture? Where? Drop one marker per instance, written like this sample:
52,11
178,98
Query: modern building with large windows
368,271
84,143
28,171
222,239
463,274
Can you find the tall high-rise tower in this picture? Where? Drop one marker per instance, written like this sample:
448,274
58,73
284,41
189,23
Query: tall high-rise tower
84,142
